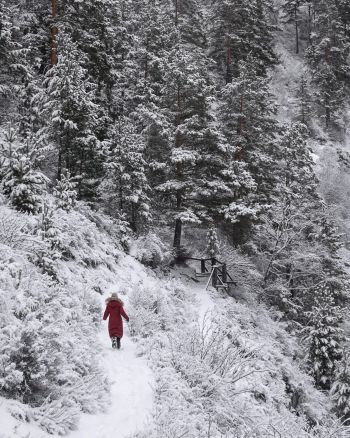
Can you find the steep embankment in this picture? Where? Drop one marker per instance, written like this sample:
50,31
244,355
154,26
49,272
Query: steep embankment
56,355
131,396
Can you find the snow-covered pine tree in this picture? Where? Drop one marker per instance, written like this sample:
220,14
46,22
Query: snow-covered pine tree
65,192
97,31
126,189
68,105
247,117
291,14
344,13
234,25
212,248
154,42
304,101
49,234
21,181
340,390
9,45
287,228
203,178
324,337
327,57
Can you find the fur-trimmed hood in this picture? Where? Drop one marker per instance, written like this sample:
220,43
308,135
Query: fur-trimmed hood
118,300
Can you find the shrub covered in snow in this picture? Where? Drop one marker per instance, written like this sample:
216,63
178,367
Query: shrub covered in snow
236,373
48,326
150,250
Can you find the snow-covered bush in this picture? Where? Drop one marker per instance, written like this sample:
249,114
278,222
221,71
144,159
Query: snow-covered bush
324,337
48,347
49,234
21,182
212,249
150,250
65,192
15,230
45,336
340,390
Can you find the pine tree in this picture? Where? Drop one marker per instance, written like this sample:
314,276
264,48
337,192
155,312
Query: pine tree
127,190
96,31
49,234
247,116
304,102
8,47
202,178
327,57
69,106
291,10
340,391
324,337
65,192
22,182
212,249
234,26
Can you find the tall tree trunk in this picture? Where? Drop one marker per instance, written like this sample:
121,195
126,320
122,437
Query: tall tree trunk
54,33
228,60
179,173
59,164
176,12
309,22
178,223
240,128
296,30
241,118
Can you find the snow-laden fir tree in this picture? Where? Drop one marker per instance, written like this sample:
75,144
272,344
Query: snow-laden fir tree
247,117
324,337
65,192
304,101
21,181
340,390
327,57
233,28
97,30
9,74
291,14
202,177
126,190
69,107
212,248
49,252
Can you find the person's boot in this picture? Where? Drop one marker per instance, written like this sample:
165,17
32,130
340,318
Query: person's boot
114,342
118,343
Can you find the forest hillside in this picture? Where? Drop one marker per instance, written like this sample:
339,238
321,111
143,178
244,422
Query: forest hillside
135,137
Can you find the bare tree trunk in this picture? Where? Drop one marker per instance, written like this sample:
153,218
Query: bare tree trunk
178,223
54,33
240,128
296,30
176,12
309,22
179,195
228,60
241,119
59,164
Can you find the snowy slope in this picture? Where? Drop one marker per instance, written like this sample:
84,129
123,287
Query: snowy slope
130,381
194,362
131,393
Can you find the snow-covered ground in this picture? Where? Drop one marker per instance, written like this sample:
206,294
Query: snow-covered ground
131,392
131,395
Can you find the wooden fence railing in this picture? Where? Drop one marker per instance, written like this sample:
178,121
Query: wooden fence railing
215,270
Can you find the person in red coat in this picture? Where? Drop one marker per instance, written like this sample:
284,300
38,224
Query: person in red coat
115,311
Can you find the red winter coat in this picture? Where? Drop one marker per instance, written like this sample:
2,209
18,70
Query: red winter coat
115,311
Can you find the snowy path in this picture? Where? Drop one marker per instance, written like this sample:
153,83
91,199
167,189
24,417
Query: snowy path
131,393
